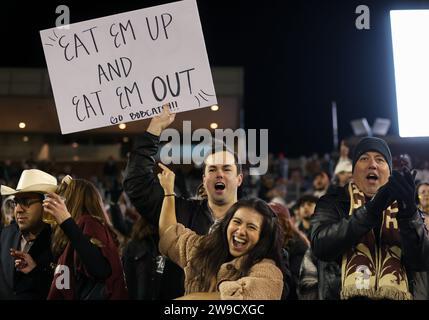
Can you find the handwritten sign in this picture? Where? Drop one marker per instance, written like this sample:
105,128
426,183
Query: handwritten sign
124,67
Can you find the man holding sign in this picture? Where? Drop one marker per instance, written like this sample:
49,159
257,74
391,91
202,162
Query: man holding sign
221,178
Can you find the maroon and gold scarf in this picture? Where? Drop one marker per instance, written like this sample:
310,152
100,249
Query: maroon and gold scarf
375,270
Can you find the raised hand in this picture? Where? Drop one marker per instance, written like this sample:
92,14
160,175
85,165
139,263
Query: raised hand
168,209
166,179
159,123
54,205
381,200
403,188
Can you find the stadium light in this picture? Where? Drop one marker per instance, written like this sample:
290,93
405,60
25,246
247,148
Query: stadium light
410,34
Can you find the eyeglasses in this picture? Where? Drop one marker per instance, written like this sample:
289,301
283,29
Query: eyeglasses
25,203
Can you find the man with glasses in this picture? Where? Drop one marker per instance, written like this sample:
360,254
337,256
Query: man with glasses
25,253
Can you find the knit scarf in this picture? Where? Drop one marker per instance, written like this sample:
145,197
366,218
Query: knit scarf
370,269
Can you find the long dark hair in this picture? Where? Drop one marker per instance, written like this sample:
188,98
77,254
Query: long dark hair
213,249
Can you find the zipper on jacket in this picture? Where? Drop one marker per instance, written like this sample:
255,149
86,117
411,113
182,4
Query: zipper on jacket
378,254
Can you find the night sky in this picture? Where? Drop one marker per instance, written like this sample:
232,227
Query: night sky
298,56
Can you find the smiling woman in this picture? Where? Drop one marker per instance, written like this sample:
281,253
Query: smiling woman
239,259
243,231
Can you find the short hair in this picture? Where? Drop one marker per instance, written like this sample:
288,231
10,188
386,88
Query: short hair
321,173
306,198
224,149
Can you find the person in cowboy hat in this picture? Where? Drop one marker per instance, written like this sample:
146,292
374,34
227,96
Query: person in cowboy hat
25,253
343,173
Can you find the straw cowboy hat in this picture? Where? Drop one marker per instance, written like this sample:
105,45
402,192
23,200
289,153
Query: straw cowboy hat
343,166
32,180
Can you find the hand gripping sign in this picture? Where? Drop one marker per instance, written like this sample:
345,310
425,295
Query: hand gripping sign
124,67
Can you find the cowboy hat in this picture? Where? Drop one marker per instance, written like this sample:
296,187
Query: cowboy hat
343,166
32,180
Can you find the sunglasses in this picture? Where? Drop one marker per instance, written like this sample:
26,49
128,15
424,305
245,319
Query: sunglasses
25,203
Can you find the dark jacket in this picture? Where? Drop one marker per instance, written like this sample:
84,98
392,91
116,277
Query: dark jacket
146,194
421,291
143,268
17,285
334,232
296,249
143,264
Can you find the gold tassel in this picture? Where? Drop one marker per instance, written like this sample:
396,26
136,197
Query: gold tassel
392,293
351,292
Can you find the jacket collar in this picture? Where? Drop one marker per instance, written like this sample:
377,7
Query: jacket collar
42,242
340,193
9,261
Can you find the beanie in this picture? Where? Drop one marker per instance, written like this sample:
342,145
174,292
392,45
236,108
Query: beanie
372,144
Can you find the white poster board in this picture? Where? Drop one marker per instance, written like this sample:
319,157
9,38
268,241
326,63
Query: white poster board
124,67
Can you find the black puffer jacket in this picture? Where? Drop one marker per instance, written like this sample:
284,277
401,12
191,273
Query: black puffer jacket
146,194
334,231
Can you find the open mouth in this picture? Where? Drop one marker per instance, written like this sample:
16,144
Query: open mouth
220,186
238,242
372,177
